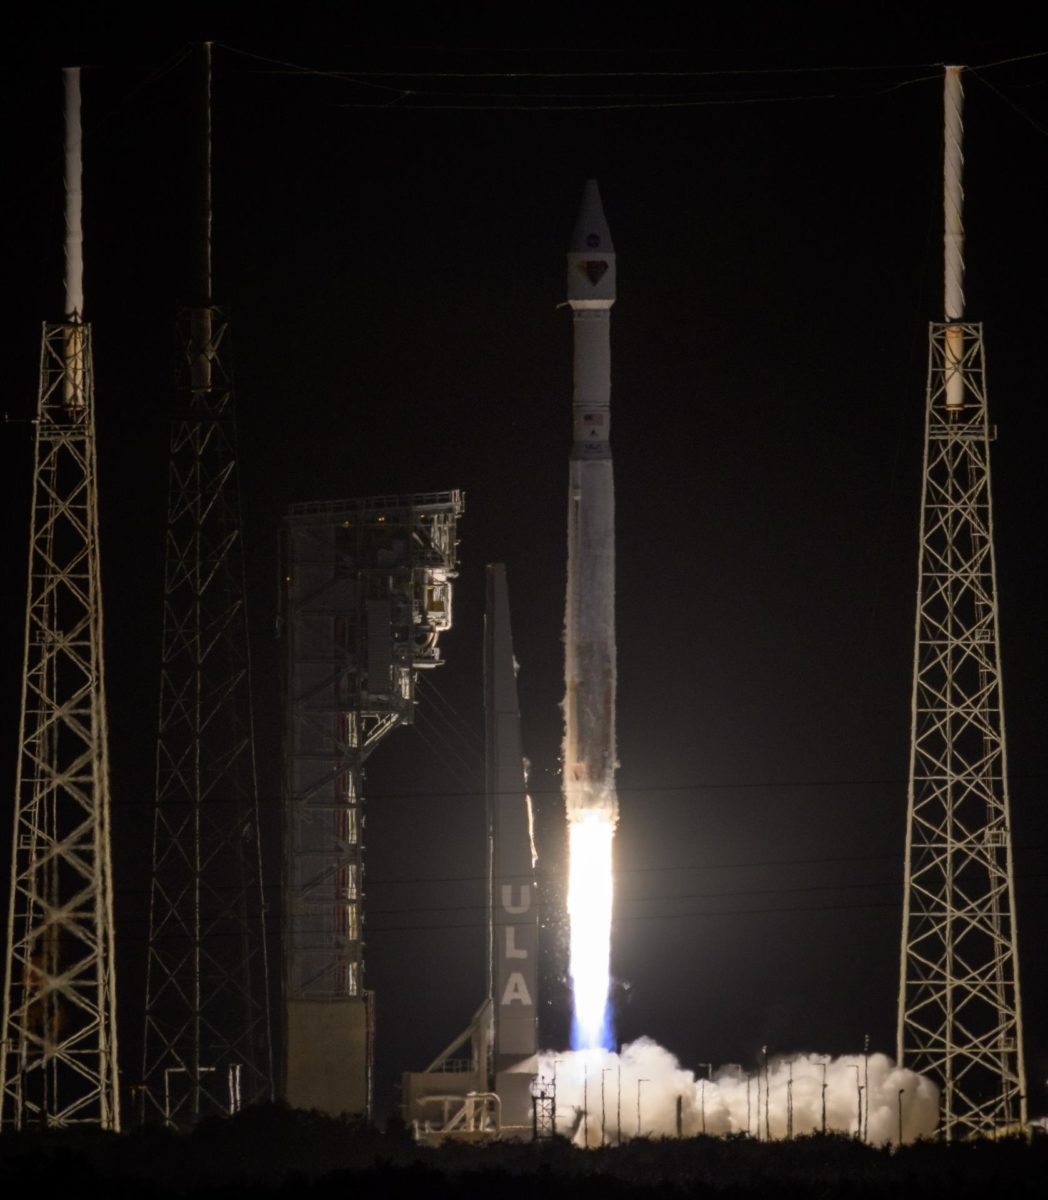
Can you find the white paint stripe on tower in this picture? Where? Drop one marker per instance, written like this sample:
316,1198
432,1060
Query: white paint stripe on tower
74,197
953,234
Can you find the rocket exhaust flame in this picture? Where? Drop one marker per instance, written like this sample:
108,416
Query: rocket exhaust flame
590,891
589,628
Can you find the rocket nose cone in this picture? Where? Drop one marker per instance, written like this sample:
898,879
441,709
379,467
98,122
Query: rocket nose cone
591,229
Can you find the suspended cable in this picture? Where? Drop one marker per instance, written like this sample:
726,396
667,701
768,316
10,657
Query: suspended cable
469,741
1028,899
648,790
625,872
1010,102
453,763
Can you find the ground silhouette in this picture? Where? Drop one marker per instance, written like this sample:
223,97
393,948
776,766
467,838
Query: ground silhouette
271,1151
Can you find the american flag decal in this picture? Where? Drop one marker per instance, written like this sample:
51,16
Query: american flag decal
593,418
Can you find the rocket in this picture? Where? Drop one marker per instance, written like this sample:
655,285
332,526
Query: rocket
589,628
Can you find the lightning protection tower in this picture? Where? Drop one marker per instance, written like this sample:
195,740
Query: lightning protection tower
207,1048
959,1017
58,1065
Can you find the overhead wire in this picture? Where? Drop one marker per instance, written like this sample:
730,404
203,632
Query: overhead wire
1007,62
443,710
276,921
470,792
1041,129
452,761
170,64
408,90
624,872
674,104
694,73
464,724
405,92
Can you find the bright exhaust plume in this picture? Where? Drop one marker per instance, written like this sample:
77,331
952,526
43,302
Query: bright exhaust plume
590,896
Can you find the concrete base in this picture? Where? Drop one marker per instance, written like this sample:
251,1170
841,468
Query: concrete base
514,1090
328,1055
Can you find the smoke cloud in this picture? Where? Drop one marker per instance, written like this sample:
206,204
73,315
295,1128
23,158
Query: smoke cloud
603,1097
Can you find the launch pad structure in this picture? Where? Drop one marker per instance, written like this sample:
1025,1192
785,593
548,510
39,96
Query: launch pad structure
481,1086
366,590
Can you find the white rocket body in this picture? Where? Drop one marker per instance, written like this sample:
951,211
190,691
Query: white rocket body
589,702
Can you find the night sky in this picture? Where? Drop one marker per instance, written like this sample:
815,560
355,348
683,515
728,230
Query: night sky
390,248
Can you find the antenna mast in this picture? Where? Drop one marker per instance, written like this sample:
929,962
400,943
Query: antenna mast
58,1067
959,1017
207,1047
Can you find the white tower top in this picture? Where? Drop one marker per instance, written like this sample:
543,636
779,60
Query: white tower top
953,194
74,197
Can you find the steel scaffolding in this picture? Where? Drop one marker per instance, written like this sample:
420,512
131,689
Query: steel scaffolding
59,1061
207,1047
366,593
959,1012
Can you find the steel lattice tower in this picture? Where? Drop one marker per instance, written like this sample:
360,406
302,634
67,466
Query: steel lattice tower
959,1017
207,1047
59,1062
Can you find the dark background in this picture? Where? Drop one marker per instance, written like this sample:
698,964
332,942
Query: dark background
390,248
